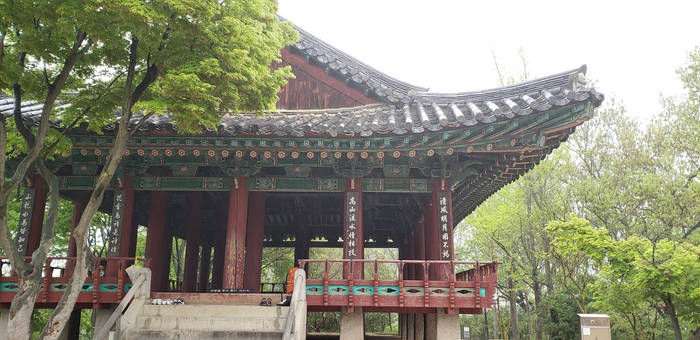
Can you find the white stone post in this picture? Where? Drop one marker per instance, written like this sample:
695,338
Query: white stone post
352,325
4,322
447,326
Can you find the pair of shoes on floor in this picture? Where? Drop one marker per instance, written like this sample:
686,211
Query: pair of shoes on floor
285,302
266,301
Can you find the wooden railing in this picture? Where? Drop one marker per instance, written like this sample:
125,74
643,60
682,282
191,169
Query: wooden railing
394,285
107,281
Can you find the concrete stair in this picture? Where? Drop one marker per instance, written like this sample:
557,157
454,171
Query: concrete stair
209,321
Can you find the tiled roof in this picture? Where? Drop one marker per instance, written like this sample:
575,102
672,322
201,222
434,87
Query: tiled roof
352,70
405,108
425,112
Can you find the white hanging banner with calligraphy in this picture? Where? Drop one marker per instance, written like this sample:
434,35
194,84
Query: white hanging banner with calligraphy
25,219
115,230
352,216
445,225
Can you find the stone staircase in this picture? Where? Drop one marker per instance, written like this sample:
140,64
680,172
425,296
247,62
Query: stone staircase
209,321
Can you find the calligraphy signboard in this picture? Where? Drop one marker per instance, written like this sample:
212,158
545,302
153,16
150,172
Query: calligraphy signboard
116,227
445,226
351,221
25,219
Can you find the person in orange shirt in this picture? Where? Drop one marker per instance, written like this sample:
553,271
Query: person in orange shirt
289,286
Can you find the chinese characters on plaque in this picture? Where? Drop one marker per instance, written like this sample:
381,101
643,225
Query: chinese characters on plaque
25,219
444,223
351,220
116,227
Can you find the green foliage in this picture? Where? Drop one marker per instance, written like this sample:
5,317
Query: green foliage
382,323
633,253
208,58
635,270
276,263
321,322
563,319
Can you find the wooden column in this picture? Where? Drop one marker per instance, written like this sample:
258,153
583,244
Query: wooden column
432,252
78,209
204,268
234,259
158,241
353,238
37,222
217,269
301,245
254,241
410,254
441,213
72,329
189,282
127,244
419,247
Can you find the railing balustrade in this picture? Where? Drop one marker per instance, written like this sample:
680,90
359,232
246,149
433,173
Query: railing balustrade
106,282
386,284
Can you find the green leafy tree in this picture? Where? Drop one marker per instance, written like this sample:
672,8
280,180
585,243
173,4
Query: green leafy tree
193,60
665,273
634,181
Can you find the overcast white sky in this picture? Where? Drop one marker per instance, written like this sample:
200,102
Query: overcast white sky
632,48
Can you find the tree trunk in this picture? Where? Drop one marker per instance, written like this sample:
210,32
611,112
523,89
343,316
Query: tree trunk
671,309
514,326
537,288
486,325
19,326
22,306
30,283
529,321
496,316
61,315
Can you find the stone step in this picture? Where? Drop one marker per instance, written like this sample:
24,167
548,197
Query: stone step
227,311
182,334
208,322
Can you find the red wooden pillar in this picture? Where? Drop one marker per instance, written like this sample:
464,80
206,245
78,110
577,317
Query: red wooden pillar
78,209
442,247
217,270
127,242
419,247
204,268
158,241
234,258
37,221
353,237
447,251
432,252
189,282
254,241
406,252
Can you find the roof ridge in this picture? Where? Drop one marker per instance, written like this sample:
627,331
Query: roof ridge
564,77
391,90
343,65
319,111
357,61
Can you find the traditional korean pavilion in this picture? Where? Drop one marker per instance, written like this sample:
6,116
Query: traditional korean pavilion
352,159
